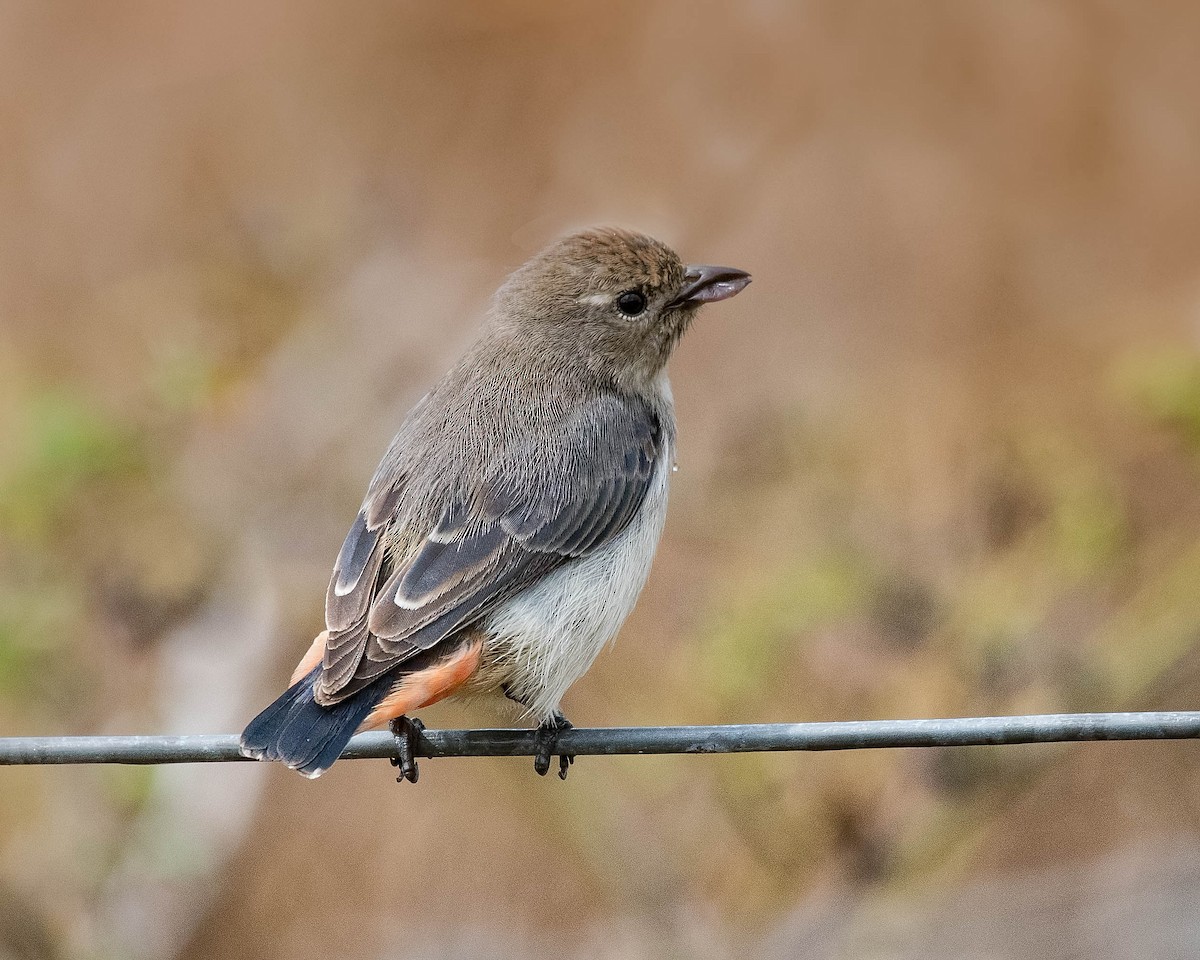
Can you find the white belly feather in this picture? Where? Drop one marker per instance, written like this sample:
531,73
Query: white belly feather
545,638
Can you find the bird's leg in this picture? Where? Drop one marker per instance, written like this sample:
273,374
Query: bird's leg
406,732
547,739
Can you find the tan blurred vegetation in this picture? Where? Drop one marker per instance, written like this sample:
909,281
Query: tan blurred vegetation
942,458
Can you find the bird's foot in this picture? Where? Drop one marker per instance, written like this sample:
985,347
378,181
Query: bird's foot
547,739
406,731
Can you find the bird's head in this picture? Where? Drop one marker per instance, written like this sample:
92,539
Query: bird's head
617,300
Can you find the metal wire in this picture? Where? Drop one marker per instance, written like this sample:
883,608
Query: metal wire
608,741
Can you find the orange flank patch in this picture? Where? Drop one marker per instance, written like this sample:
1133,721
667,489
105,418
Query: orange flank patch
314,656
423,687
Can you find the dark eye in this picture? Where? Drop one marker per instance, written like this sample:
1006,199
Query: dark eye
631,303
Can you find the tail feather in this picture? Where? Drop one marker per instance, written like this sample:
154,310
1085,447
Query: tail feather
303,734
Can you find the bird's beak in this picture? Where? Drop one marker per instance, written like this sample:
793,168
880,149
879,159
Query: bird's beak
705,284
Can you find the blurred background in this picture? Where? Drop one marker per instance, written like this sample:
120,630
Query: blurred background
943,457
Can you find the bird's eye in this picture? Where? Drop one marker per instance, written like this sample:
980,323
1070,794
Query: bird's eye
631,303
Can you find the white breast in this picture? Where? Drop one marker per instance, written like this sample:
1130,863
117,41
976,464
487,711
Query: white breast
544,639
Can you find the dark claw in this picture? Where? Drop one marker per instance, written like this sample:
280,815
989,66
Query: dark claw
406,731
547,740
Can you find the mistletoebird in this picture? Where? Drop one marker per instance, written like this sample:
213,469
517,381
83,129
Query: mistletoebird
512,523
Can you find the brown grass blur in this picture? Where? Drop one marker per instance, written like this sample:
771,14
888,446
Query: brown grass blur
943,457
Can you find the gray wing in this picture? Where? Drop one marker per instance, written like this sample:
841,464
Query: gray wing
489,544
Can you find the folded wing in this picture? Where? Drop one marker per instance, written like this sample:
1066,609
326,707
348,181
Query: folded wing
490,542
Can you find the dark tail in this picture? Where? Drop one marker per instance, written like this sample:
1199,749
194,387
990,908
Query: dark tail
305,735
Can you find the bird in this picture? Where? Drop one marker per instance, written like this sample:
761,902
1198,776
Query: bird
513,520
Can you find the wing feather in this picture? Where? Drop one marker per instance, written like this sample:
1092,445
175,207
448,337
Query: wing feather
354,575
440,567
488,544
343,651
